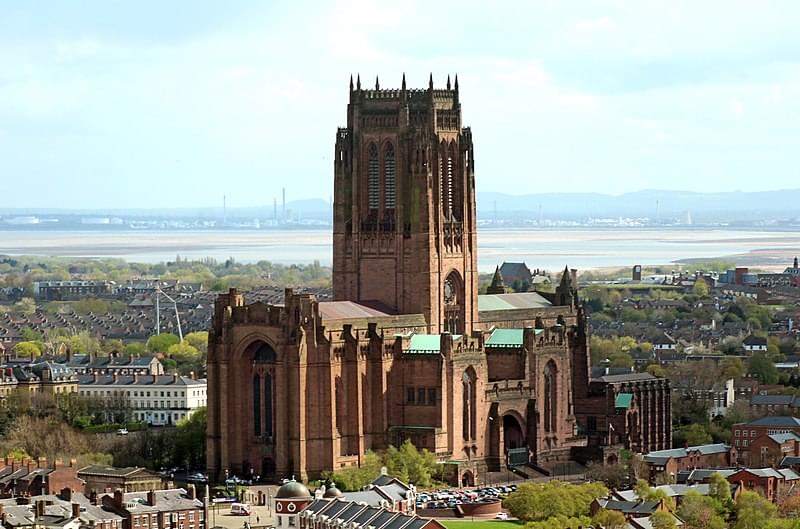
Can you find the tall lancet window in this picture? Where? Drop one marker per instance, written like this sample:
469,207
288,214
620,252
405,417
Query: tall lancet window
257,405
373,178
389,178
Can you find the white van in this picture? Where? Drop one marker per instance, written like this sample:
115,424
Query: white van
240,509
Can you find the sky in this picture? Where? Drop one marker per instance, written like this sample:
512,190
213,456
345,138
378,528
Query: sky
107,104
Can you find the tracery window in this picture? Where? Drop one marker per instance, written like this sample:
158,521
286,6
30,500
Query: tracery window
373,178
389,177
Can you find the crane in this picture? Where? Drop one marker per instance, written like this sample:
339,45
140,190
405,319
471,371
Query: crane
159,293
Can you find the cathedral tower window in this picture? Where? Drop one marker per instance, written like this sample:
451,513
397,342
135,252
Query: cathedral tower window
257,405
550,392
469,412
268,415
389,178
373,179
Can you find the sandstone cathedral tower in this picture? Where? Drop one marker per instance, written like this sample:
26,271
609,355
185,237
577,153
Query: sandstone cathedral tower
408,349
404,216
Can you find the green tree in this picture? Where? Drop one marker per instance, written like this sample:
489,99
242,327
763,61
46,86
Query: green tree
356,478
28,349
538,502
161,342
662,520
190,441
656,370
198,340
411,465
763,368
610,519
731,368
26,306
696,434
182,349
700,288
135,349
753,511
719,489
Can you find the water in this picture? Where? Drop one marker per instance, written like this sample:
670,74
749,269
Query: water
543,248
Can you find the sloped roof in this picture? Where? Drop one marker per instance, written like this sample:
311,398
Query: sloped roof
344,310
505,338
424,344
677,453
776,420
518,300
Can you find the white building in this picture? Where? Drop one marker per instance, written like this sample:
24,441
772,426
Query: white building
154,399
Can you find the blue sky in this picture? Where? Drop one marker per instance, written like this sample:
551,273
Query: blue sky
137,104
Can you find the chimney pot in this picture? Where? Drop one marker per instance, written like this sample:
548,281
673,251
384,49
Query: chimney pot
76,510
151,498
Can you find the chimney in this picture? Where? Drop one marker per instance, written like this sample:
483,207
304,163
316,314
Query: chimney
175,377
119,498
30,465
192,491
76,510
41,462
66,494
151,498
39,508
135,377
93,497
192,375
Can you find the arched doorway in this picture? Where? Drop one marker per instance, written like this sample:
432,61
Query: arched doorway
468,479
513,436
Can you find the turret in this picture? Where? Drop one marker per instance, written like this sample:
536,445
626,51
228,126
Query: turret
497,286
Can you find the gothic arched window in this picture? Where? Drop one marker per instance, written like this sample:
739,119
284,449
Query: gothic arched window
469,412
373,178
268,411
550,392
389,178
257,404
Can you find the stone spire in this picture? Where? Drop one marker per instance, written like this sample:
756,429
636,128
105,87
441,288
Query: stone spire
497,286
358,81
377,83
403,86
351,82
448,81
795,263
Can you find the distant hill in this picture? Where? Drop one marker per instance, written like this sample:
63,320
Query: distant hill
734,204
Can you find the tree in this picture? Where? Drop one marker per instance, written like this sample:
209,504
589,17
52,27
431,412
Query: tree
135,349
190,442
700,288
537,502
613,476
763,368
719,489
656,370
753,511
610,519
182,349
662,520
696,434
731,368
26,306
161,342
27,349
700,512
198,340
356,478
411,465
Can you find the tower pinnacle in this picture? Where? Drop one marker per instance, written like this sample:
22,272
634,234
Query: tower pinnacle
377,83
448,81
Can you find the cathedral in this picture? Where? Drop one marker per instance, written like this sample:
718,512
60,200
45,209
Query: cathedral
408,348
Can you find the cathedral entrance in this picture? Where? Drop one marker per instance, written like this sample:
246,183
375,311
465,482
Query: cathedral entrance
513,437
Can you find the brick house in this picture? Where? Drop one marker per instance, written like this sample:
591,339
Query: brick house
334,513
35,477
769,450
158,509
773,484
743,434
667,463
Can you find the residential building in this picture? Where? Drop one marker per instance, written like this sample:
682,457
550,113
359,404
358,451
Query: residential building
65,510
85,364
755,344
771,449
158,509
35,477
385,491
743,434
154,399
773,484
334,513
666,464
70,290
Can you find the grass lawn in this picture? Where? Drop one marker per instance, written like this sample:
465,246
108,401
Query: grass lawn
480,524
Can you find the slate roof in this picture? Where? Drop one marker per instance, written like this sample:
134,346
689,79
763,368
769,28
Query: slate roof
776,420
628,377
345,310
141,380
364,515
662,456
772,400
781,438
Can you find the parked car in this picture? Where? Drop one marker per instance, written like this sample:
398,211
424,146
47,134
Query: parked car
122,431
501,516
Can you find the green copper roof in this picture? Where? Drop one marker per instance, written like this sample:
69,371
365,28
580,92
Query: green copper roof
623,400
424,344
505,338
